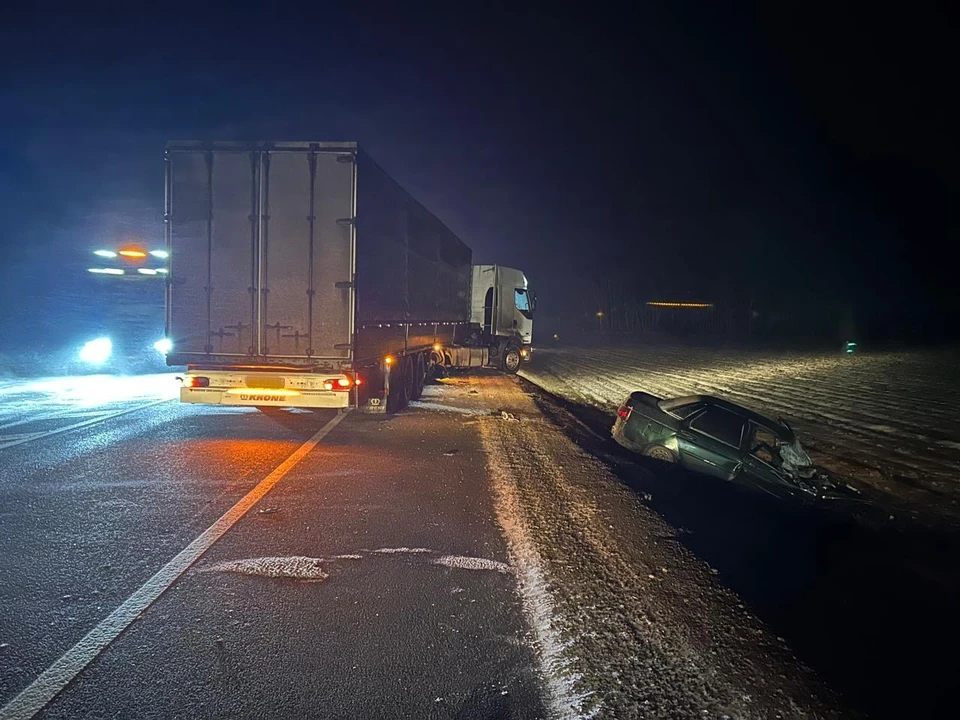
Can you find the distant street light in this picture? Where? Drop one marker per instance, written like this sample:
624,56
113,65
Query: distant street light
105,253
106,271
162,254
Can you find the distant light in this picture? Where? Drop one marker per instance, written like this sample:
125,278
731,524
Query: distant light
162,271
681,304
437,347
162,254
146,271
132,253
96,351
105,253
163,346
851,348
106,271
600,313
388,360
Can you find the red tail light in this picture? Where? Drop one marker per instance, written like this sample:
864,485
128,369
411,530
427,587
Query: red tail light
343,383
623,411
196,381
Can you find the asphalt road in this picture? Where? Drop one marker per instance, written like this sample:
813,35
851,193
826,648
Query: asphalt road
370,581
487,553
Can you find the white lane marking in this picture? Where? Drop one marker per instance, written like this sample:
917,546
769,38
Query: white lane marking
75,426
55,678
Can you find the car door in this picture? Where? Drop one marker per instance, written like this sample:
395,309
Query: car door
761,460
709,442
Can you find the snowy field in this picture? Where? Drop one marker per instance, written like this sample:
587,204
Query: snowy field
885,420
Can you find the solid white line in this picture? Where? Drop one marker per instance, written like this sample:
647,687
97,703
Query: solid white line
56,677
74,426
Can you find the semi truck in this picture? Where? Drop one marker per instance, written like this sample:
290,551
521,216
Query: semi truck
301,275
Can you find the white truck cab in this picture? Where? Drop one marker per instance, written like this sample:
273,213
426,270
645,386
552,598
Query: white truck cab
503,304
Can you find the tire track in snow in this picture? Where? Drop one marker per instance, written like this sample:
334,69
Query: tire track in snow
562,698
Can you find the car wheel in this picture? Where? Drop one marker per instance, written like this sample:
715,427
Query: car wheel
510,361
661,453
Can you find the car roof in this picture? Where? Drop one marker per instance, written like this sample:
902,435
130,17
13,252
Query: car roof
781,429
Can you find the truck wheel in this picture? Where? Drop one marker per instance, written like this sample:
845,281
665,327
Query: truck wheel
510,359
409,379
399,391
419,376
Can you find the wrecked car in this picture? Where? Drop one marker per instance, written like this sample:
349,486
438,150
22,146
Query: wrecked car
718,438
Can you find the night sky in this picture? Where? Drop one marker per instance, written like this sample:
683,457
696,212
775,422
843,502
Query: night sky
790,154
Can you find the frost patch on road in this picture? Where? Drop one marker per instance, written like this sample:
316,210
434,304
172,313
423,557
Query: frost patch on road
402,550
296,567
471,563
442,408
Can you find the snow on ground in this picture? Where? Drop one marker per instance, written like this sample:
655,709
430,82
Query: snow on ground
888,420
626,621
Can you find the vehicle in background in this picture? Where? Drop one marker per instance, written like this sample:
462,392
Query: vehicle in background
302,275
125,333
718,438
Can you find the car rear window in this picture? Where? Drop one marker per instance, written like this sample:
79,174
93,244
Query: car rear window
684,411
721,424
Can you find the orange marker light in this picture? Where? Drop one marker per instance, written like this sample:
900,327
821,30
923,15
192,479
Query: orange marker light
437,346
388,359
132,253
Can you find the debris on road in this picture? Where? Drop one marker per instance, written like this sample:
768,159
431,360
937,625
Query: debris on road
452,451
268,511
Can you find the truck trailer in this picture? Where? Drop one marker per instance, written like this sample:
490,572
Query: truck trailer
302,275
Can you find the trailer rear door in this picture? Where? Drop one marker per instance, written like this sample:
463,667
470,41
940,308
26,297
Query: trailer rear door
261,241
